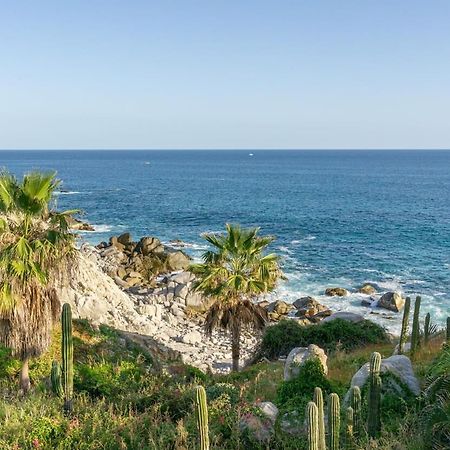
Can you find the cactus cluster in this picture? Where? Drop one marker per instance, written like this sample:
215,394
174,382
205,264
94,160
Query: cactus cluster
349,424
318,400
405,325
415,336
334,422
62,377
356,406
312,426
373,415
202,418
427,328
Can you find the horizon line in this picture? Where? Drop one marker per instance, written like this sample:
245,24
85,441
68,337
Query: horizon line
232,149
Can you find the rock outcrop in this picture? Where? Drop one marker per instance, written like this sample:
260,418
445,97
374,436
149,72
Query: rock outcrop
392,301
299,355
399,365
158,317
336,291
367,289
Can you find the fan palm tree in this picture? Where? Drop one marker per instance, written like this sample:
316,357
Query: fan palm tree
35,250
234,273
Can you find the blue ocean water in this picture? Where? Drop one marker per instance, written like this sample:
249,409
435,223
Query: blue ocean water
340,217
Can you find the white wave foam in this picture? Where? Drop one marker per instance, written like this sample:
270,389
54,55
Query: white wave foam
70,192
101,228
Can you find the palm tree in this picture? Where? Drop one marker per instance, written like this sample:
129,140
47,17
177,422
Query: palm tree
233,274
36,247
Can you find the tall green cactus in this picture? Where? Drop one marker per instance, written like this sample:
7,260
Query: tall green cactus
416,326
56,379
67,356
427,328
373,416
405,326
356,406
349,424
202,418
318,400
312,425
334,422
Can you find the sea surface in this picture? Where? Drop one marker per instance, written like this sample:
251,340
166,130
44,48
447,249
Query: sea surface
340,218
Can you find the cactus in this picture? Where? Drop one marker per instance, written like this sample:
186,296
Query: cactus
349,423
405,325
202,418
427,328
312,424
67,356
416,327
318,400
373,416
448,329
334,422
55,378
356,406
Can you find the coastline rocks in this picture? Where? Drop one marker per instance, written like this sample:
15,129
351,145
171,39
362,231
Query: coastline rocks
299,355
399,365
309,307
336,291
344,315
79,225
392,301
155,318
367,289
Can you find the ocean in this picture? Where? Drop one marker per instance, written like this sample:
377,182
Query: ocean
340,218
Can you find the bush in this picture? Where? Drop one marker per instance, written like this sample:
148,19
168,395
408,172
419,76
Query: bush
281,338
299,390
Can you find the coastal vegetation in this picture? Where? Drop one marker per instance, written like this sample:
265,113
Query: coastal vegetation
317,381
234,274
35,251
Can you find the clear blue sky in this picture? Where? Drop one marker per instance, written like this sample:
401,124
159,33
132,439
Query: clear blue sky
225,74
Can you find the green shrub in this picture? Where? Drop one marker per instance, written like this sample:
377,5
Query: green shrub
299,390
217,390
280,339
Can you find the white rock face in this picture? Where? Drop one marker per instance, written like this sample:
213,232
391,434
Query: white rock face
299,355
399,365
155,318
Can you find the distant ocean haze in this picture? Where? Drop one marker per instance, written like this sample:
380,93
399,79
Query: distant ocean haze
340,218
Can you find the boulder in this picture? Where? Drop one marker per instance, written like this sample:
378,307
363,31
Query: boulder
344,315
193,337
399,365
177,261
280,307
392,301
309,306
269,410
125,239
336,291
367,289
148,245
299,356
259,428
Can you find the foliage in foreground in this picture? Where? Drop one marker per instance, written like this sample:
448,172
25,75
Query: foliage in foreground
280,339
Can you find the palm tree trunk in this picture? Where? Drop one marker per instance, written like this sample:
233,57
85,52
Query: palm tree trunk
236,346
24,376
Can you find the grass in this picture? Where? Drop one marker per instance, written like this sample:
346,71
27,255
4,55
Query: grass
123,400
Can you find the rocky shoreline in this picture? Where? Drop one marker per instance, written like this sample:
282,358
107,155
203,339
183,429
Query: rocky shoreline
144,290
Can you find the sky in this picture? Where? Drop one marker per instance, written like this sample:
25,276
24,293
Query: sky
168,74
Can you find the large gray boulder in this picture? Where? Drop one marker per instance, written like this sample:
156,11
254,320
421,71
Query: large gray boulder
177,261
299,355
392,301
399,365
